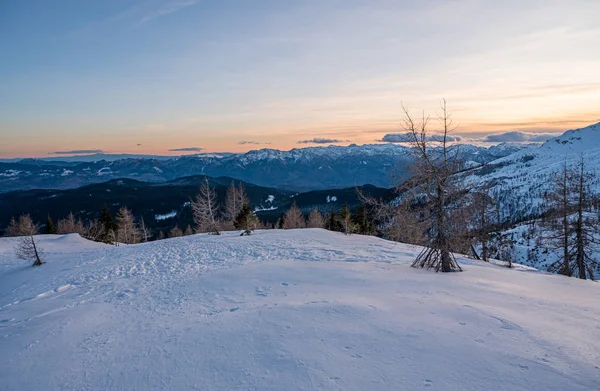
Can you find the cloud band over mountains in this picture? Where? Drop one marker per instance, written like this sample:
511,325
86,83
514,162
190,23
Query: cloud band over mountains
321,140
187,149
77,152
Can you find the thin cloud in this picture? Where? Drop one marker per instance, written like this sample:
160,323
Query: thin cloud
167,8
77,152
187,149
517,136
252,142
321,140
408,137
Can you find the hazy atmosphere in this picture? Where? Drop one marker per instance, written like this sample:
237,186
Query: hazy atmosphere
176,77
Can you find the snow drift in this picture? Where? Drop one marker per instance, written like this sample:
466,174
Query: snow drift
287,310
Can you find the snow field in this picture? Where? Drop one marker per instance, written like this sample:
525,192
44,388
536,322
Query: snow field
287,310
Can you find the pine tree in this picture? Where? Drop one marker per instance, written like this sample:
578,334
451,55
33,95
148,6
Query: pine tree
345,218
333,222
188,231
281,221
49,228
364,225
109,226
246,219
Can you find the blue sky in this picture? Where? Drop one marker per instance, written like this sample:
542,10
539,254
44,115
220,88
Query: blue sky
149,76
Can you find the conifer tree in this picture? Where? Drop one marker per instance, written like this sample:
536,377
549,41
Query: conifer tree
281,221
345,218
49,228
109,226
246,219
364,225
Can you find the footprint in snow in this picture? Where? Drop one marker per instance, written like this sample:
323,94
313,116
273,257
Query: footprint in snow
428,383
285,284
263,291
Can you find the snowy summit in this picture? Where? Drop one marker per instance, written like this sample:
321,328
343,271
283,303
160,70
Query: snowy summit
287,310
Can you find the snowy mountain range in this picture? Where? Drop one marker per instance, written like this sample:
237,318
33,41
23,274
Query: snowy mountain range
300,169
518,181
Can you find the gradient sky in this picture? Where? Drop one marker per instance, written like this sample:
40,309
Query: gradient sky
225,75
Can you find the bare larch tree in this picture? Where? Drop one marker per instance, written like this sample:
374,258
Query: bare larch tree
557,222
205,209
294,218
315,219
434,190
26,247
575,226
127,229
234,200
70,225
483,212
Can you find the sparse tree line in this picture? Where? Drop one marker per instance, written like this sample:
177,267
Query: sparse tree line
435,209
438,210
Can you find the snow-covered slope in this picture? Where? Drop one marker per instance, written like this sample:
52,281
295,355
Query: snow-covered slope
287,310
519,180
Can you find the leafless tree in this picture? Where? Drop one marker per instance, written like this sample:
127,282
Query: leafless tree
205,208
234,200
175,232
434,191
94,230
127,229
24,226
396,220
26,247
144,231
556,222
315,219
13,227
482,210
576,227
70,225
507,250
294,218
188,231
